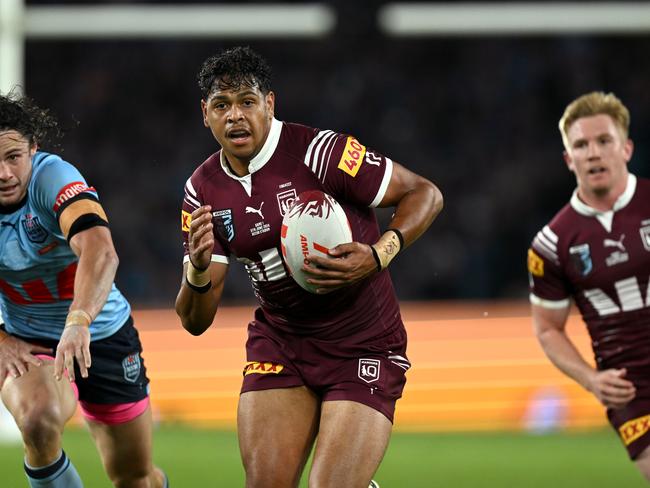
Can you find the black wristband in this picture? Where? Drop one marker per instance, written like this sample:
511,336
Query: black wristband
199,289
376,256
399,236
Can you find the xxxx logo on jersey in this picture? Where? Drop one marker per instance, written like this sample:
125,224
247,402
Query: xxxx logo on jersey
255,367
535,264
633,429
352,157
186,220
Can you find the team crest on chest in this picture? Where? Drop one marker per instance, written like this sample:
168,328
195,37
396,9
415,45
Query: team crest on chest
581,258
224,224
285,200
645,234
33,228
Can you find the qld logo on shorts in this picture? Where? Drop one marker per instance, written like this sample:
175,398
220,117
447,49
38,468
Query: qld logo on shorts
33,228
131,367
369,370
633,429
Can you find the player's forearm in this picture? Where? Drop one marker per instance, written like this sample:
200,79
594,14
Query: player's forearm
564,355
196,310
94,279
416,210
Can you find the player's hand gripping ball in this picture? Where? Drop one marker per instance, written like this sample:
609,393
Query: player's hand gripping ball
312,225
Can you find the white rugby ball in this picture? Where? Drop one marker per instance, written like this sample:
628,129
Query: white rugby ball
314,224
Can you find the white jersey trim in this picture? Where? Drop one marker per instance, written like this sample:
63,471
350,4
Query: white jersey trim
216,258
384,183
552,304
605,218
258,162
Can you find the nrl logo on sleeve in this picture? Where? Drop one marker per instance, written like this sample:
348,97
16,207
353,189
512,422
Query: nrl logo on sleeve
352,157
645,234
369,370
535,264
186,220
33,228
131,367
224,224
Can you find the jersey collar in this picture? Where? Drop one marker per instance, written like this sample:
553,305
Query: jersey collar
262,157
606,217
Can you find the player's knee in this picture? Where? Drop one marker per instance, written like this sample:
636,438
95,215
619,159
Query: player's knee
265,476
130,478
40,424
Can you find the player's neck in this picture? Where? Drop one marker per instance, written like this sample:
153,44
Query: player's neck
237,167
603,201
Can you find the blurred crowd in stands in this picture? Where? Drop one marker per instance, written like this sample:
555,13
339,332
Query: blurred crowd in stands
478,116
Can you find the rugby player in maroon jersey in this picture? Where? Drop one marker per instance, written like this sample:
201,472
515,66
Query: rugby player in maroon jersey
596,250
323,368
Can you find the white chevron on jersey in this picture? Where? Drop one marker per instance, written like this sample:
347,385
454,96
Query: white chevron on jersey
629,294
190,194
319,151
546,243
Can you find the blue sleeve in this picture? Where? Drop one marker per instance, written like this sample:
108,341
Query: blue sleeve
54,183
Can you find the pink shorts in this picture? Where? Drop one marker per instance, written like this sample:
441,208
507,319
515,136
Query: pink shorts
106,414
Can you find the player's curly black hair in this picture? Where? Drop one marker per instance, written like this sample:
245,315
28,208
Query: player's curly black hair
21,114
232,69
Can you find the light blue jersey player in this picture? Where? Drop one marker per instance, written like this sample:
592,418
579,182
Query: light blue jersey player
37,266
63,316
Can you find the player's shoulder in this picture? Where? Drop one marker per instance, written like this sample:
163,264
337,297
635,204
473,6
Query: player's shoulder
44,162
642,186
549,238
207,170
303,135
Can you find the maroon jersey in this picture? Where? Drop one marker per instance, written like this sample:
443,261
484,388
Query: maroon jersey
602,260
247,214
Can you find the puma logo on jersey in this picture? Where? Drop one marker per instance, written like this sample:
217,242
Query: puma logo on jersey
255,210
618,256
612,243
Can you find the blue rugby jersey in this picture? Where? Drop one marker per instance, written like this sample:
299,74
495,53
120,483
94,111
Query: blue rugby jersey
37,266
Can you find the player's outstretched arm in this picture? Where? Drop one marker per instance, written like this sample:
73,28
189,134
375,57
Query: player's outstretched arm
96,269
203,280
609,386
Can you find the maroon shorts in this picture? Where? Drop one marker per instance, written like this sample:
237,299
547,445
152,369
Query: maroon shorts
632,423
371,372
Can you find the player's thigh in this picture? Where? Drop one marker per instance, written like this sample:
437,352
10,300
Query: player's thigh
277,427
352,440
37,394
643,463
125,448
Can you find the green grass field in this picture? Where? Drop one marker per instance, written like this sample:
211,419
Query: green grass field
197,458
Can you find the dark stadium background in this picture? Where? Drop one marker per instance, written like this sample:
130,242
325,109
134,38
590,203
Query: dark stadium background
477,115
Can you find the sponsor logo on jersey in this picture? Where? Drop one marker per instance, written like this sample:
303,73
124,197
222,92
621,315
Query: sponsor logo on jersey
352,157
224,224
69,191
535,264
186,220
48,248
285,200
645,234
581,258
254,210
369,370
131,366
33,228
633,429
619,255
255,367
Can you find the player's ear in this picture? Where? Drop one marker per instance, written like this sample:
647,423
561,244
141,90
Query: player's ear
569,161
628,149
204,111
269,99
